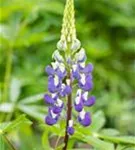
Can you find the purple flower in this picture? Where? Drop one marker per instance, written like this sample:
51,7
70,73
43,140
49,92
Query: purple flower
51,118
85,82
88,69
75,71
70,128
90,101
84,118
78,104
54,84
50,70
50,99
65,90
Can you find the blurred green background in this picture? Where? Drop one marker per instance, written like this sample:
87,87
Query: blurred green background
29,31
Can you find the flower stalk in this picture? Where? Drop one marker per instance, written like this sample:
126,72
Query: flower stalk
69,117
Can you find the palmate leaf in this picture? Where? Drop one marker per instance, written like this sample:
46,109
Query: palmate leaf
32,99
33,111
98,121
110,132
6,107
9,126
119,139
5,144
15,89
94,141
2,143
125,147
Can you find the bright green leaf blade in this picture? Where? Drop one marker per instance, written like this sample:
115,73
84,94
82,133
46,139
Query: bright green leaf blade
32,99
125,147
16,123
110,132
119,139
15,89
2,143
98,121
33,111
95,142
6,107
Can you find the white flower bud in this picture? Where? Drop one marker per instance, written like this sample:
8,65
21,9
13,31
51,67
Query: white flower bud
57,56
85,96
80,56
76,44
53,114
70,123
56,80
82,65
68,81
62,45
83,78
59,102
77,100
82,114
79,92
55,65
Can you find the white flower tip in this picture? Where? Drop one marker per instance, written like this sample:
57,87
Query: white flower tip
77,100
53,114
85,96
56,80
82,64
62,45
54,65
53,95
82,114
56,55
83,79
79,92
70,123
59,101
74,67
62,67
75,45
68,81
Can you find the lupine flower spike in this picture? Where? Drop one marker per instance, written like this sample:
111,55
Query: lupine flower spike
68,68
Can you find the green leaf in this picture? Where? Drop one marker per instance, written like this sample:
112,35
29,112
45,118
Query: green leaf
95,142
98,121
110,132
32,99
125,147
2,143
45,141
6,107
60,146
119,139
55,129
53,6
33,111
15,89
14,124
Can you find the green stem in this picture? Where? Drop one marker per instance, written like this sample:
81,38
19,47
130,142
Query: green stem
9,143
7,74
57,141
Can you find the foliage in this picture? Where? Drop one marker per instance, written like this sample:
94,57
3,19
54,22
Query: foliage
29,31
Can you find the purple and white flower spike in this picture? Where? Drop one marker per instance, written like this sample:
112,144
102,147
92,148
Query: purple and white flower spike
69,69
